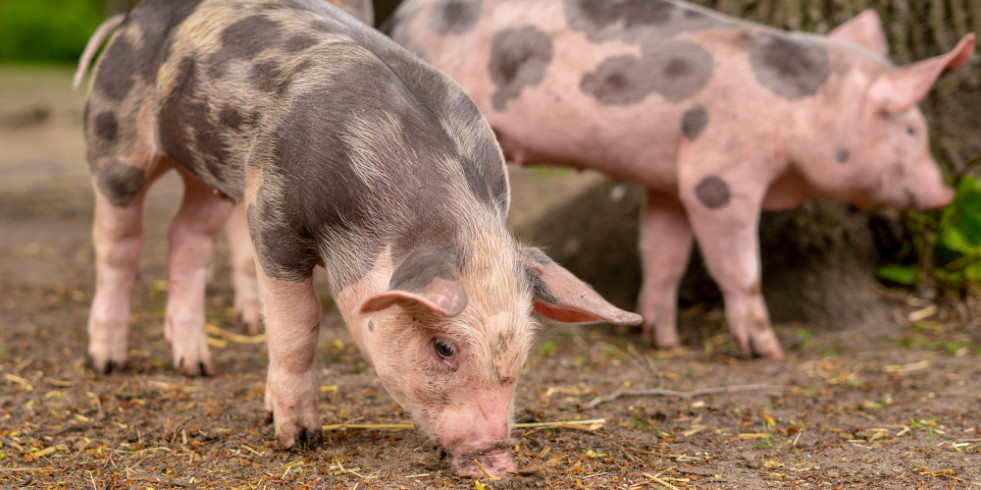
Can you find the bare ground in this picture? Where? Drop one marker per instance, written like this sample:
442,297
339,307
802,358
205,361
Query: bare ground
896,405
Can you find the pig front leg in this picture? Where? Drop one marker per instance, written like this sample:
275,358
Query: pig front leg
247,304
193,232
665,246
292,322
724,211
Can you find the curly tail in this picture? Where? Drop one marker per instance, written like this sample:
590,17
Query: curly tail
100,35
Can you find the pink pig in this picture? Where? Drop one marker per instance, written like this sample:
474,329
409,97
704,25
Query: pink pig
718,118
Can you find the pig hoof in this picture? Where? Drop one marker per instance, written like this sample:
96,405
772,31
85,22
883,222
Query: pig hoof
306,439
190,369
103,368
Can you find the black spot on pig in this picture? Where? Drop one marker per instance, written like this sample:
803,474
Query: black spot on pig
187,134
676,70
422,267
114,78
106,126
713,192
789,67
299,43
371,326
635,21
693,122
519,58
842,155
244,40
119,182
454,16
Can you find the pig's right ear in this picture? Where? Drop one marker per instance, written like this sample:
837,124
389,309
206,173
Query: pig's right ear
560,295
865,30
899,89
429,278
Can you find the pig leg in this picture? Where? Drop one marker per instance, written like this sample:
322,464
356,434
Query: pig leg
247,305
117,236
665,246
724,214
193,232
292,318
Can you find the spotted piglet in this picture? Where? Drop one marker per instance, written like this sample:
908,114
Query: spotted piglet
347,152
718,118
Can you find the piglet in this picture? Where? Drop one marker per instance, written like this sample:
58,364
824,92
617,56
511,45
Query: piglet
348,152
716,117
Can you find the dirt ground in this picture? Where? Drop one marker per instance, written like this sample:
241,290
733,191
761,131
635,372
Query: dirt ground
896,405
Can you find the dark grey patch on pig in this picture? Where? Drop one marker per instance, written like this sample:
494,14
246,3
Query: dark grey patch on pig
536,255
371,326
229,117
310,157
676,70
244,40
114,79
422,267
187,134
156,24
299,42
265,76
635,21
713,192
792,68
106,126
119,182
454,16
693,122
518,59
842,155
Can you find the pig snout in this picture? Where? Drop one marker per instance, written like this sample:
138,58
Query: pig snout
926,188
478,431
936,196
496,460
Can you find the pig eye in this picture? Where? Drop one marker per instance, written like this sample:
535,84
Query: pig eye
446,351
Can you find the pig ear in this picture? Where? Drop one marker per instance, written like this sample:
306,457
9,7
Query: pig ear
865,30
430,278
561,296
899,89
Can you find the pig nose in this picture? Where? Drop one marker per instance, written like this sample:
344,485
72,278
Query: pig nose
938,199
496,462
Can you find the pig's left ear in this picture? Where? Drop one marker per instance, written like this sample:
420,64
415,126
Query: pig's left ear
561,296
899,89
430,278
865,30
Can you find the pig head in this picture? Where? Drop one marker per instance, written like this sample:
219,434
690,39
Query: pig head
717,117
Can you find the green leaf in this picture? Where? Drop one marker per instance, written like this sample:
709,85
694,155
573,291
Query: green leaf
901,274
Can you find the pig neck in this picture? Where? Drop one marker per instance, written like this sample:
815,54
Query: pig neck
818,127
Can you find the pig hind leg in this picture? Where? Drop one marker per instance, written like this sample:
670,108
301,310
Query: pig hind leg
117,237
192,236
665,246
247,304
